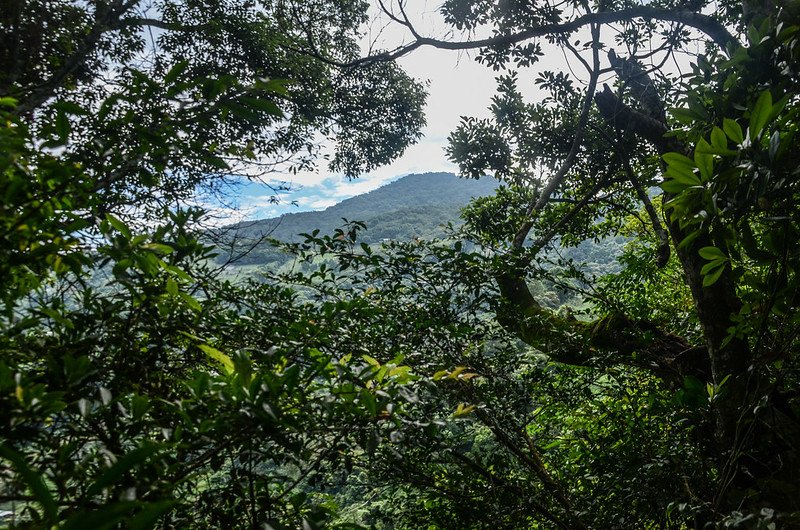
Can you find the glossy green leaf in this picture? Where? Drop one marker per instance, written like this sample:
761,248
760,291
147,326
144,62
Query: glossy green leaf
681,162
733,130
224,360
760,114
718,138
703,160
121,227
712,278
712,253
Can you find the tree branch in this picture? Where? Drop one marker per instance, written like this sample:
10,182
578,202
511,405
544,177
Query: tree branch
555,182
613,339
106,19
155,23
703,23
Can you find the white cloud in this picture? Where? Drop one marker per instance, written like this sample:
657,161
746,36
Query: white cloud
321,204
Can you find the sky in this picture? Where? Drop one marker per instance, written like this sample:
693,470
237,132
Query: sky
458,86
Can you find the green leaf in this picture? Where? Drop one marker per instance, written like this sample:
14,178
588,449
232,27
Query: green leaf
263,105
705,148
124,464
777,107
718,138
733,130
221,358
711,265
371,360
274,86
175,72
684,116
681,162
62,125
673,186
71,108
158,248
689,239
712,253
704,161
774,143
463,409
368,400
760,114
34,481
121,227
712,278
191,301
682,175
172,287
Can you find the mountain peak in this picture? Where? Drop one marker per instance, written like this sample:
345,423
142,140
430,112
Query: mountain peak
415,205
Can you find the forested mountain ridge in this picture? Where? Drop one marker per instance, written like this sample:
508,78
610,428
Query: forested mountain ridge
439,195
413,206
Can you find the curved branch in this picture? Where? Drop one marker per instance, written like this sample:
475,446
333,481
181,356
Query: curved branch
612,340
583,119
703,23
663,238
107,19
545,238
661,233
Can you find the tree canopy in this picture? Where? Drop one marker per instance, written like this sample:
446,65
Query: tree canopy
416,383
704,160
123,402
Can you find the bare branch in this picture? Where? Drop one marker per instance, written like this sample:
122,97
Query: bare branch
544,196
703,23
155,23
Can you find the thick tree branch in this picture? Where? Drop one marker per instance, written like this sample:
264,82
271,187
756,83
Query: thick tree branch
613,339
106,19
624,118
533,461
714,304
545,238
703,23
160,24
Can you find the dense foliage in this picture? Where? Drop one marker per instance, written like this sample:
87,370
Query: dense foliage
136,388
434,384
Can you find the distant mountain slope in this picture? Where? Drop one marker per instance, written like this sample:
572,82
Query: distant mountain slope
412,206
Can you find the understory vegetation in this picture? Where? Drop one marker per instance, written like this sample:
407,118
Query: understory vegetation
483,378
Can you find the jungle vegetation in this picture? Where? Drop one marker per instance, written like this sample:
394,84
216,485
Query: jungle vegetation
419,383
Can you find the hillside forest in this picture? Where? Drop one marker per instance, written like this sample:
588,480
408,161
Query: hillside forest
605,337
